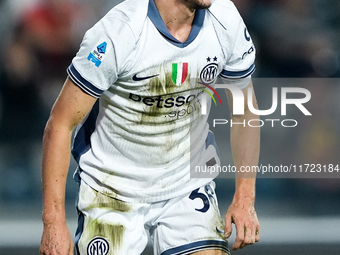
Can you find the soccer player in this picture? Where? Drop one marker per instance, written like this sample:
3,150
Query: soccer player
134,93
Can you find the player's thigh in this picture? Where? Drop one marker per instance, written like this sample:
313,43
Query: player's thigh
108,226
189,224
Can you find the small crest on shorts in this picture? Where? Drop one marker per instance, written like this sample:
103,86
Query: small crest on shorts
98,246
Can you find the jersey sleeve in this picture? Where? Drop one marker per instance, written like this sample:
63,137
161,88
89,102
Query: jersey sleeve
103,50
241,53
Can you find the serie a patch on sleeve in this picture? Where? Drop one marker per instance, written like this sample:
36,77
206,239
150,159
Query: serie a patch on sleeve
98,53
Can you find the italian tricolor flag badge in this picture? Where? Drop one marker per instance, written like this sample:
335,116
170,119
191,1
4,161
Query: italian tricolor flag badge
179,72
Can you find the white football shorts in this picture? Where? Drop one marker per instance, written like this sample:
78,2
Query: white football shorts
181,225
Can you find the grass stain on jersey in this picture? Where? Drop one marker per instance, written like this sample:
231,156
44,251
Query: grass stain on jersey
164,87
159,115
156,87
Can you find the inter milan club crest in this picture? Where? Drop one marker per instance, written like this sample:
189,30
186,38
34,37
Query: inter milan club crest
98,246
208,74
179,73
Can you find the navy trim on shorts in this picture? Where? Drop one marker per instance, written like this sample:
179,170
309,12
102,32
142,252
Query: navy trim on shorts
198,246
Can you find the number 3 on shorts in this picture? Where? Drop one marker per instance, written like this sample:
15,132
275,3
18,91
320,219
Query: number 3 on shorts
206,205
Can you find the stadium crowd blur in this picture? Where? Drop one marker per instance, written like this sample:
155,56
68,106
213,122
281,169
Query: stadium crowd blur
294,39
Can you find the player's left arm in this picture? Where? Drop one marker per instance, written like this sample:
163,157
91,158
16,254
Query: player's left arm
245,144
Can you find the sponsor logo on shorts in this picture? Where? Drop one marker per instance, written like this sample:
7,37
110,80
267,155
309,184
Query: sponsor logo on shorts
98,246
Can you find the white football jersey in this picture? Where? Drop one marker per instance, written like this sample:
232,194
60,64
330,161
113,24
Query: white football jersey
146,128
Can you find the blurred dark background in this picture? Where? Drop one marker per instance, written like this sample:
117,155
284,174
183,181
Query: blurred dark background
294,39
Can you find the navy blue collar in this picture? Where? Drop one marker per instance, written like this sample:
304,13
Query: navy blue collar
157,20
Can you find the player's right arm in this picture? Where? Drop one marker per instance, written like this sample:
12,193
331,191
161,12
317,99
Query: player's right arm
70,108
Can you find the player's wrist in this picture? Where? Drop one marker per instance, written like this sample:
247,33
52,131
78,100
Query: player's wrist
246,193
245,186
249,198
53,217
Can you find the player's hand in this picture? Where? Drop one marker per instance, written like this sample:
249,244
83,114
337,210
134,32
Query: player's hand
56,240
242,213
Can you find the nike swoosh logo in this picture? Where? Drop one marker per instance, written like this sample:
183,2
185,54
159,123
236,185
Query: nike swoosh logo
135,78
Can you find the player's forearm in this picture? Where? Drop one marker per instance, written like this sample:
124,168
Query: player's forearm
56,158
245,143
